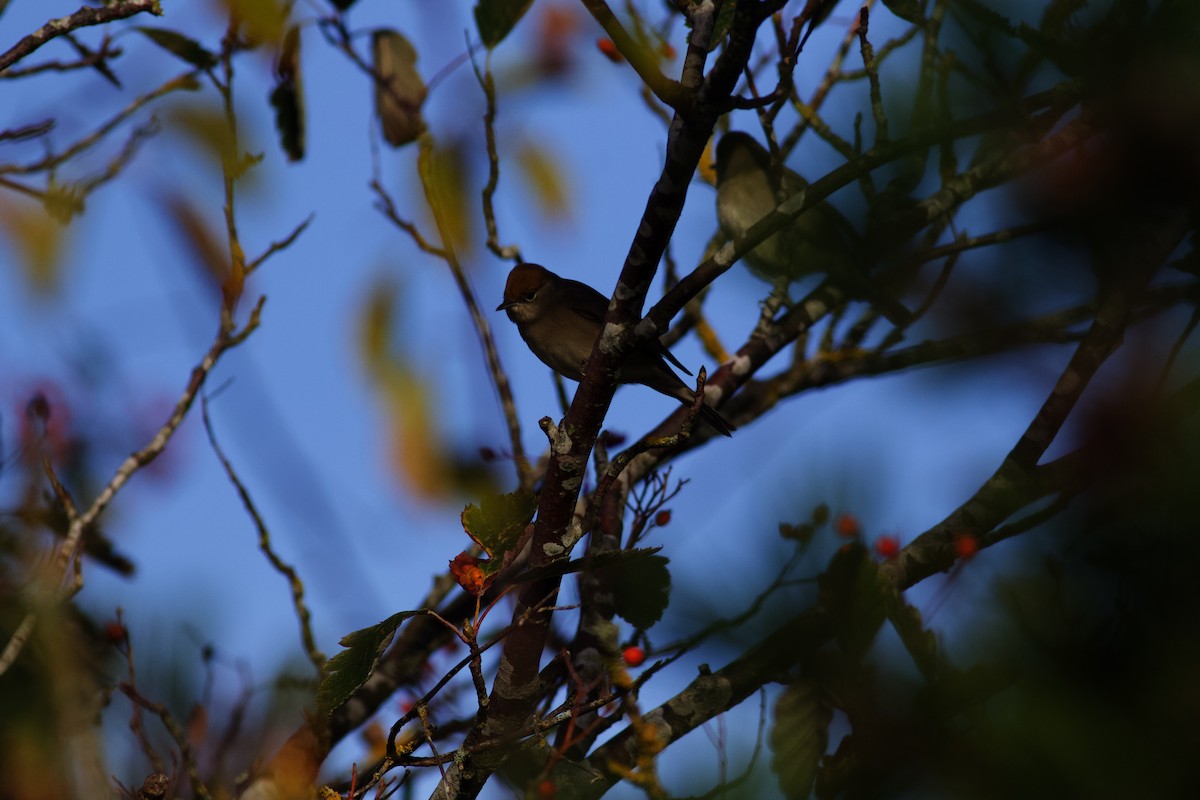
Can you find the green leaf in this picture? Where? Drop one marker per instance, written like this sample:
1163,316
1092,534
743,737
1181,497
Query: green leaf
180,46
349,669
495,18
852,591
497,523
799,737
641,588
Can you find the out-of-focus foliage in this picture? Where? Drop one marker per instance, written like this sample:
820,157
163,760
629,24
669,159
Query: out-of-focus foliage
1035,203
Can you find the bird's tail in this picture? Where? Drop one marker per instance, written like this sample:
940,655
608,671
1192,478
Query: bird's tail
715,421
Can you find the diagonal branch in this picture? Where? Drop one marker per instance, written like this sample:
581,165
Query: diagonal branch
82,18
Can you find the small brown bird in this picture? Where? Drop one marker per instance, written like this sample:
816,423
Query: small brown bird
819,240
560,319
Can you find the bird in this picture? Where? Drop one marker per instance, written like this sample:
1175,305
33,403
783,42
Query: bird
820,240
560,320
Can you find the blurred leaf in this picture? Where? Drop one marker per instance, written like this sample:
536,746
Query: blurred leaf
907,10
852,592
261,21
495,18
349,669
544,176
179,46
206,250
707,169
399,90
62,201
721,25
799,737
444,179
206,125
641,588
418,454
497,523
287,98
38,240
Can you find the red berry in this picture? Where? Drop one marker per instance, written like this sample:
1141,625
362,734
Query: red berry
546,789
887,547
115,633
966,546
634,656
847,525
663,517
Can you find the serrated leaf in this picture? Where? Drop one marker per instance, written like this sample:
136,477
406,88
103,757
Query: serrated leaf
852,591
349,669
799,737
179,46
641,589
497,523
399,89
496,18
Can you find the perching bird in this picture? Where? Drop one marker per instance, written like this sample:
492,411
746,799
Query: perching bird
560,319
819,240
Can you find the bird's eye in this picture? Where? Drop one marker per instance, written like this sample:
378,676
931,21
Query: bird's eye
529,298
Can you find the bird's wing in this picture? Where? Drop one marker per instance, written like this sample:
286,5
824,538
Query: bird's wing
587,302
592,305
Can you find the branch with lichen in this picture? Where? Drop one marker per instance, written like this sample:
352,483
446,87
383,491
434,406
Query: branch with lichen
80,19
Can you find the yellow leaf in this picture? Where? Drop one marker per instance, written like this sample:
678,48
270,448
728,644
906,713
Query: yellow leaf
443,172
417,452
707,170
38,241
261,20
545,179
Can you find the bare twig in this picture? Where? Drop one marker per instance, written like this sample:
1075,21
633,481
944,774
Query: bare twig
177,734
488,84
303,615
185,81
81,18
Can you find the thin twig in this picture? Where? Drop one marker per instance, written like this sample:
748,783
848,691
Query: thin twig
303,615
82,18
185,81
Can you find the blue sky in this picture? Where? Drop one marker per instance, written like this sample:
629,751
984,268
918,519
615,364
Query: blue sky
298,416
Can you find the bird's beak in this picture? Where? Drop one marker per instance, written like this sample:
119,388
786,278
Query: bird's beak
506,306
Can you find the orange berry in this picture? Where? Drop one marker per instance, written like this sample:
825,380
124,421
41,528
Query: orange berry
847,525
610,50
887,547
663,517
